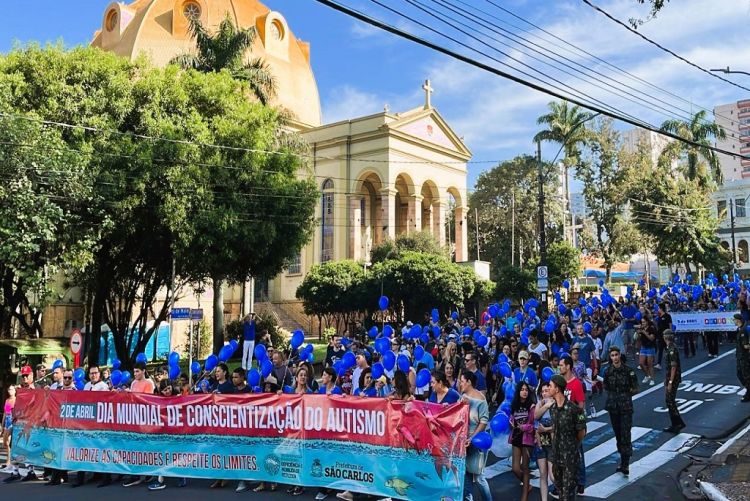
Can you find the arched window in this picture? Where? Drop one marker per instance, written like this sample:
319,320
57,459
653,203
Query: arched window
327,222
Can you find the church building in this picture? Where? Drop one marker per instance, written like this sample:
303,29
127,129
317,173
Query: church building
379,175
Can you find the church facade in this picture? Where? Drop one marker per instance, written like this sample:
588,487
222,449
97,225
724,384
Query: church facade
379,175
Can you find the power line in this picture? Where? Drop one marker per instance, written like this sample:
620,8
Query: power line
580,51
460,57
665,49
481,20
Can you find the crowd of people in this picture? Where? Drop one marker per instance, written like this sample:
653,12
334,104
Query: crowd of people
528,376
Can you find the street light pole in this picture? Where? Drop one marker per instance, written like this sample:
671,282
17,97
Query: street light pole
731,224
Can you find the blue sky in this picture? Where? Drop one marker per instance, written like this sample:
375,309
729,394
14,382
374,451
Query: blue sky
359,69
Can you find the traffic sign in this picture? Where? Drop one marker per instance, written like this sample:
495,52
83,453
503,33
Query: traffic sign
180,313
542,284
76,342
196,314
541,272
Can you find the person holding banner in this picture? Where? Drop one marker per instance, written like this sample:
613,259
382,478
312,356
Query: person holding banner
141,384
166,389
479,416
94,384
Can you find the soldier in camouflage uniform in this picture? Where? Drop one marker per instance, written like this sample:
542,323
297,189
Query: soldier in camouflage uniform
672,380
569,425
743,354
621,384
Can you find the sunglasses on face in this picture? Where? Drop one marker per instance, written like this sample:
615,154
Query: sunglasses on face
67,377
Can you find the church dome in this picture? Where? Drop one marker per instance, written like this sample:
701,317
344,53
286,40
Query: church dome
160,29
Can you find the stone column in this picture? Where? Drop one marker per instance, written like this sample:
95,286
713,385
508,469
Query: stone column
438,221
388,212
462,233
355,229
427,221
414,214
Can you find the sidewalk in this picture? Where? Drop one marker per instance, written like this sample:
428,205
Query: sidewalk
727,475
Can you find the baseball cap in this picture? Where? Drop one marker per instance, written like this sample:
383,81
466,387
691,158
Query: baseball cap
26,369
559,381
524,354
382,379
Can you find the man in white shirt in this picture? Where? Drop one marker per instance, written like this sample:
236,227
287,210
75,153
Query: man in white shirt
95,383
357,372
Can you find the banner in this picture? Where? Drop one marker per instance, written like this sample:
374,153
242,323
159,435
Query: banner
704,321
405,450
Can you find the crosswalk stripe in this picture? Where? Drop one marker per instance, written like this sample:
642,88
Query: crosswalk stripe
504,465
609,447
649,463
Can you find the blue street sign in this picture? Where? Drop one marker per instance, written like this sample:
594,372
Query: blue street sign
180,313
196,314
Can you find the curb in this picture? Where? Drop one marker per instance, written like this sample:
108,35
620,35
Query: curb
711,492
729,443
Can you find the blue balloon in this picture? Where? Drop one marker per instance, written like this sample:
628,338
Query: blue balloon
566,284
260,352
382,344
423,378
589,310
505,369
348,360
57,364
195,367
266,367
482,441
377,370
389,360
601,283
211,362
483,341
519,317
403,363
116,377
234,344
79,374
116,363
502,358
500,423
126,377
505,407
435,331
387,330
174,358
253,377
435,315
373,332
174,371
454,315
493,310
141,358
297,339
562,309
340,368
418,353
383,302
224,353
587,327
547,374
80,385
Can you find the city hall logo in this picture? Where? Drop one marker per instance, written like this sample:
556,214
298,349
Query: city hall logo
272,464
317,469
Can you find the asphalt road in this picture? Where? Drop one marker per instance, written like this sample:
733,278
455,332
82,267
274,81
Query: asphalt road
709,398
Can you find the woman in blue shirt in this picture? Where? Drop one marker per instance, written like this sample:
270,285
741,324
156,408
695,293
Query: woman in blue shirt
442,393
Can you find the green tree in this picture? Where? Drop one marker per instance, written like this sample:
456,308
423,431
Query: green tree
604,172
515,283
675,213
43,200
699,163
507,204
563,262
171,203
226,50
566,126
334,291
418,241
420,282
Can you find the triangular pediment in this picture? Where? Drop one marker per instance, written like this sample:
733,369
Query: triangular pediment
429,126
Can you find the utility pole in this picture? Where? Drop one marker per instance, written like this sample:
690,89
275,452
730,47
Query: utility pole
513,230
476,219
542,236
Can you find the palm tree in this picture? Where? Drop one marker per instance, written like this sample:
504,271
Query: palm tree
701,163
565,127
225,50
